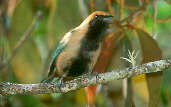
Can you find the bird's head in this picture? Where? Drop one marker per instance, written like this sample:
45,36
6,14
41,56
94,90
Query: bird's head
97,18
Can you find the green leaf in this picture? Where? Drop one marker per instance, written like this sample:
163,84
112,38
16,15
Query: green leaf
151,52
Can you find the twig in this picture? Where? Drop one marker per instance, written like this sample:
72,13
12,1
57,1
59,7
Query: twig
26,34
164,20
168,2
91,6
155,12
133,14
121,9
109,6
22,39
86,80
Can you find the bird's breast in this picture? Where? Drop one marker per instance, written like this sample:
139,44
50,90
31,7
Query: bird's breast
69,55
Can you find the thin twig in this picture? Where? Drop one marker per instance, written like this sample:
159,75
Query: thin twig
83,81
133,14
121,9
26,35
91,6
109,6
154,16
164,20
168,2
23,38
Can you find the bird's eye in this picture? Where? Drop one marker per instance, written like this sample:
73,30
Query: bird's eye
96,16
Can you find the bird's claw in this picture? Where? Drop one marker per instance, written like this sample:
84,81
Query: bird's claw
96,75
61,82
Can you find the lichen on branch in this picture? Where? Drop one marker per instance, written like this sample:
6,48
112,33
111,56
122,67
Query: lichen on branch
7,88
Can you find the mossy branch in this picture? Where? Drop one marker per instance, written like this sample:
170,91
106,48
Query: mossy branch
83,81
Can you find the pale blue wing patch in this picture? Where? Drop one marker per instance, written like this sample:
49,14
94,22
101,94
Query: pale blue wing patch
55,55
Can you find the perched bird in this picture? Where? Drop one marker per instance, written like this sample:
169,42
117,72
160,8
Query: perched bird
78,51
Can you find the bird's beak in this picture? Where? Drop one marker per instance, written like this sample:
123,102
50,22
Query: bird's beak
108,18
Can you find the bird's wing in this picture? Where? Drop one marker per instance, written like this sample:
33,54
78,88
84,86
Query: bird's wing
59,49
52,66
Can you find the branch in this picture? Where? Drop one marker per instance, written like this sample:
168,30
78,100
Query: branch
23,39
26,34
164,20
83,81
133,14
91,6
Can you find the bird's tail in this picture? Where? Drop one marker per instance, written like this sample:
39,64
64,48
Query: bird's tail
91,94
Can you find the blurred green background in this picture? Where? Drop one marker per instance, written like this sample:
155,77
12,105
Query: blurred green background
30,63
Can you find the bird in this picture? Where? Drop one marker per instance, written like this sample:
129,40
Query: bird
78,51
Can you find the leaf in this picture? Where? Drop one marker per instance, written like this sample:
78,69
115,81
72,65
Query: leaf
141,95
33,101
27,62
151,52
80,97
150,49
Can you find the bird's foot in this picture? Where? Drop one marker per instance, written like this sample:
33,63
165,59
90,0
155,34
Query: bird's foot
50,80
61,82
95,74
